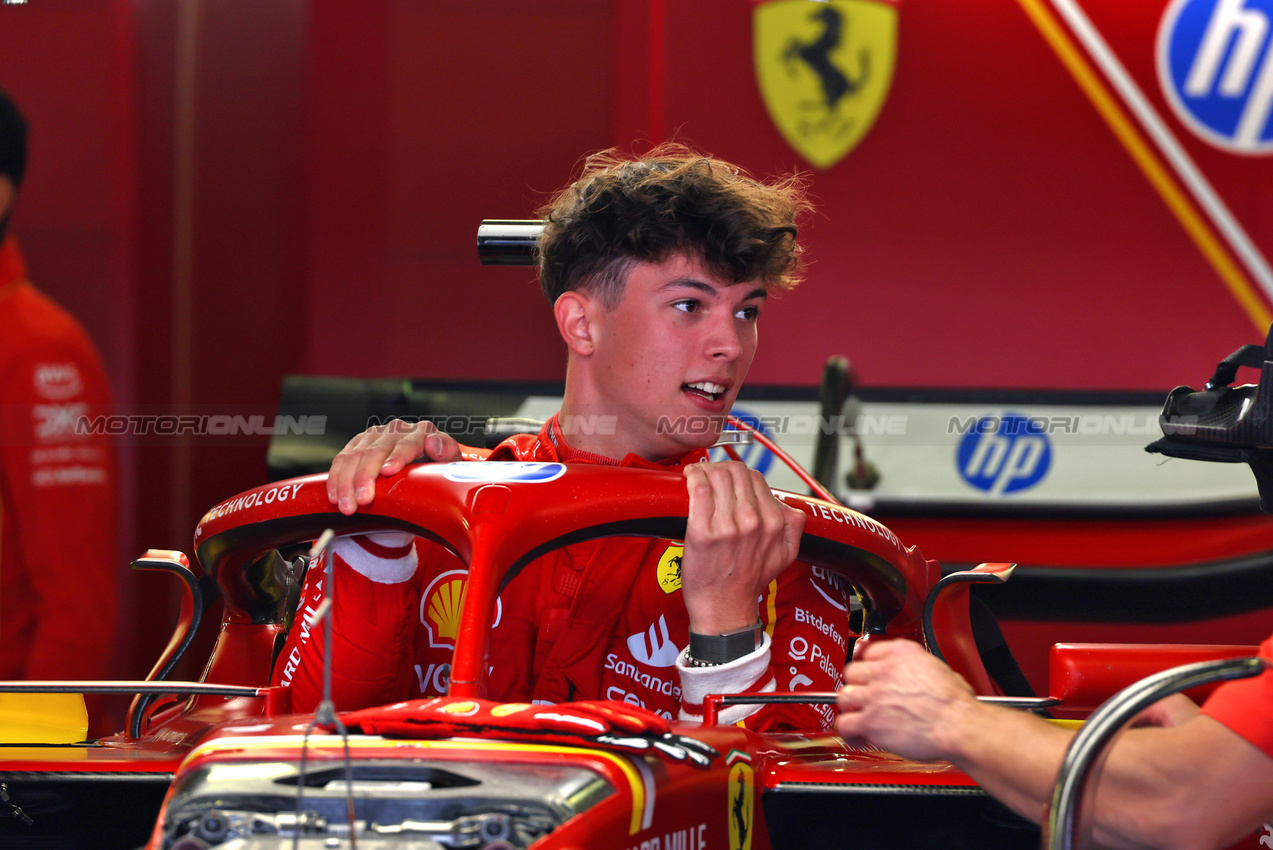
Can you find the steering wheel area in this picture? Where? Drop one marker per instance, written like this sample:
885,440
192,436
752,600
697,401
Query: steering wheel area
498,517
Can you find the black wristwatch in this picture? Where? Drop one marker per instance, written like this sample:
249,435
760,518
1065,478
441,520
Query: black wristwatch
712,650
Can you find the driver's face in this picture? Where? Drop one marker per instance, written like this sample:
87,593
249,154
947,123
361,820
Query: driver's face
671,356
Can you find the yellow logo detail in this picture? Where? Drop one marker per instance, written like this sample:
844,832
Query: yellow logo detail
742,798
443,602
509,708
824,70
461,708
670,569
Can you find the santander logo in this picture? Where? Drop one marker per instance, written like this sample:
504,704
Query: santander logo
654,648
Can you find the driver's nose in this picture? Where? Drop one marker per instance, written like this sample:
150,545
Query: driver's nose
725,341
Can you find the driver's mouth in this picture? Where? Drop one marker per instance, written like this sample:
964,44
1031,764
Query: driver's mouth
706,389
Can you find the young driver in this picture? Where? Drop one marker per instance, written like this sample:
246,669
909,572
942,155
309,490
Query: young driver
657,270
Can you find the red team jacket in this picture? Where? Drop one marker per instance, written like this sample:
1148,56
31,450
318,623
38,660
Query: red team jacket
57,490
595,620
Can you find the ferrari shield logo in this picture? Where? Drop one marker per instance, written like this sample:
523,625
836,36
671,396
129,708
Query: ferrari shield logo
741,799
669,571
824,68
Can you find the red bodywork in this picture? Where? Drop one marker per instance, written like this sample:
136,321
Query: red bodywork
757,793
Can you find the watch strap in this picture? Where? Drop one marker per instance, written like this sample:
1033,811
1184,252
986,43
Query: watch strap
726,647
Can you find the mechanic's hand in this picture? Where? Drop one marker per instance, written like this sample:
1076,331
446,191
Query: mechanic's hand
738,539
1169,711
899,697
383,450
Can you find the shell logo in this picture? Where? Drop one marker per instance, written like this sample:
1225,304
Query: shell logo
441,604
461,709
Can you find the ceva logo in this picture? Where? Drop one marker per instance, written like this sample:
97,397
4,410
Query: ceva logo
754,455
1215,68
1004,454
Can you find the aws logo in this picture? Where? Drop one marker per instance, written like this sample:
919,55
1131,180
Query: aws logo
58,381
441,604
1004,454
1216,70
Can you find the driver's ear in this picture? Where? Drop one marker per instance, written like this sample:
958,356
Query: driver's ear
577,314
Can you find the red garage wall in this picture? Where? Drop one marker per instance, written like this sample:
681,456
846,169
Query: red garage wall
991,231
427,119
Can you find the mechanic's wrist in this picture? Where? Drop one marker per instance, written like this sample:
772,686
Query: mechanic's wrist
962,722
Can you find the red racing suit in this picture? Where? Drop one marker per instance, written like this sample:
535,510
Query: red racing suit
1246,706
57,490
596,620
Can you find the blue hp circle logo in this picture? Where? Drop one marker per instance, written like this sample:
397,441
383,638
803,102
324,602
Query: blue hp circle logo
1004,454
1215,68
754,455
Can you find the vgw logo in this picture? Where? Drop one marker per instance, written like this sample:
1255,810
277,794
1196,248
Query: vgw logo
1215,67
1004,454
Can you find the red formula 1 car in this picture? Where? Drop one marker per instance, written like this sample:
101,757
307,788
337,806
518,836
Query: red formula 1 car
223,763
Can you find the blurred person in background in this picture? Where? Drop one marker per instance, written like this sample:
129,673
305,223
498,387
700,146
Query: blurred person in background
57,486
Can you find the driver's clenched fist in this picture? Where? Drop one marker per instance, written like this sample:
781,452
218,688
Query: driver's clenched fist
738,538
383,450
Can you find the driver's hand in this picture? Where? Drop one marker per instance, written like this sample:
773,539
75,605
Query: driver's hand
738,538
383,450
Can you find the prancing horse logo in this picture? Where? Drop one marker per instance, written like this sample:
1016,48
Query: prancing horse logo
816,55
824,70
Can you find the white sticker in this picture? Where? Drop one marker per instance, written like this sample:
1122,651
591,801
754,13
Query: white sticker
489,472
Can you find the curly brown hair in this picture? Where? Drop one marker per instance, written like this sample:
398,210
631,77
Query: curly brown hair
624,210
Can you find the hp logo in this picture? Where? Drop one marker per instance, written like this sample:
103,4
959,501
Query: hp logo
1004,454
754,455
1215,68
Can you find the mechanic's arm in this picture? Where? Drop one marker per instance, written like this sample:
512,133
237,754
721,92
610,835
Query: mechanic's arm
1161,787
383,450
737,540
